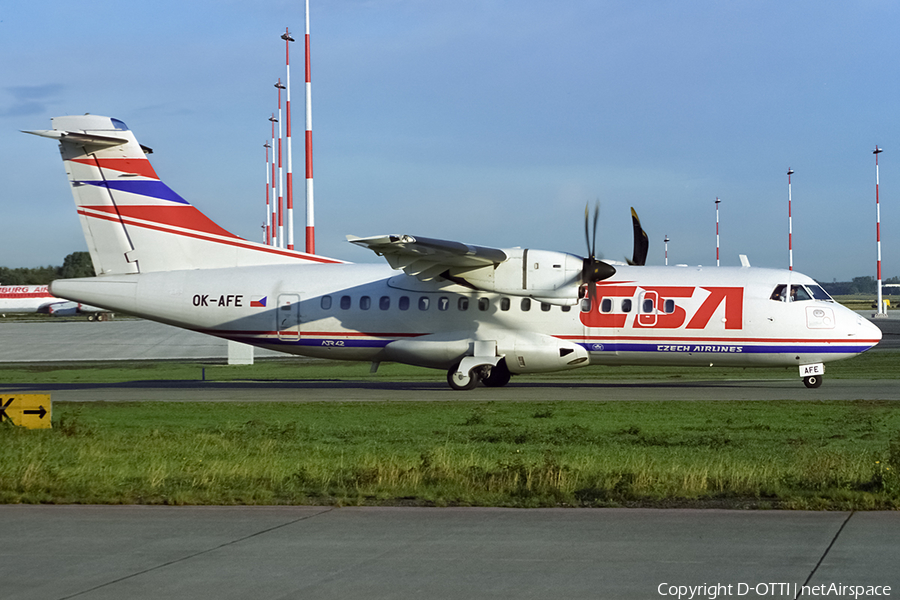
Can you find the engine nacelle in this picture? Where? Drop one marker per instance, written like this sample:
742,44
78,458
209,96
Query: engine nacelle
553,277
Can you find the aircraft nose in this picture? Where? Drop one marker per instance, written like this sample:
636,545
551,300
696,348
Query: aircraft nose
868,331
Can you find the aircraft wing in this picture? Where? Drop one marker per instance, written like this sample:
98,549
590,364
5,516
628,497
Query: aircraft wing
426,258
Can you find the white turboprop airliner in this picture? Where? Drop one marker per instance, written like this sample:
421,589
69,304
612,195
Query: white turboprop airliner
482,314
38,299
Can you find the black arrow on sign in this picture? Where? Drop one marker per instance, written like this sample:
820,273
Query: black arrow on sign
41,411
3,407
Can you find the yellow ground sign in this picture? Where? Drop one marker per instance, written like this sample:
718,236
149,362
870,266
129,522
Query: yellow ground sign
26,410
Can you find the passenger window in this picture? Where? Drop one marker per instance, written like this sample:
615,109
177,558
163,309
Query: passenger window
647,307
525,305
566,308
504,303
384,303
545,307
404,303
463,303
626,305
365,302
669,307
345,302
443,303
585,305
424,302
606,305
326,302
483,304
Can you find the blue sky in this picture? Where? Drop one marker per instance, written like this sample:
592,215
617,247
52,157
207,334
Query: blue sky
491,123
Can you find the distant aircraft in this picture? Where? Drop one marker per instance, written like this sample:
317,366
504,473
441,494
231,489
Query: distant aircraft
38,299
481,314
26,299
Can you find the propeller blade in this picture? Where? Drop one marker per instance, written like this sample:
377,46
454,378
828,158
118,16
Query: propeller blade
641,241
587,231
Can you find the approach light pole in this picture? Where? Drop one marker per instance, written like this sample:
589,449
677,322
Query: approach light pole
881,310
790,225
274,238
717,230
268,235
310,205
290,170
666,242
281,244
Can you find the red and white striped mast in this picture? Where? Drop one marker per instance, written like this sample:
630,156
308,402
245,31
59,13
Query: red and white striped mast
877,151
310,219
268,239
280,87
790,225
274,238
290,179
717,230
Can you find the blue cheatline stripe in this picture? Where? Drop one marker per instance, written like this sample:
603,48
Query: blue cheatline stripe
153,189
730,349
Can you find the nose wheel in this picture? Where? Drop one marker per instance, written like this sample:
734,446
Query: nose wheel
812,381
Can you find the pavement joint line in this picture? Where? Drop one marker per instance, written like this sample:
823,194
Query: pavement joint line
196,554
824,554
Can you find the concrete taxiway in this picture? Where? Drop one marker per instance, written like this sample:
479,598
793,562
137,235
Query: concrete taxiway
374,391
95,553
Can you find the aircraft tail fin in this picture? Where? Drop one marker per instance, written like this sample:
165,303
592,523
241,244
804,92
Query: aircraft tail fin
135,223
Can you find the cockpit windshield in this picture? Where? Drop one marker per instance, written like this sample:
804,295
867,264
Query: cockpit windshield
799,293
819,293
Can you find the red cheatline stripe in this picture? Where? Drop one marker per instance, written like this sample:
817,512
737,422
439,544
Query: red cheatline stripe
692,340
138,166
187,217
236,242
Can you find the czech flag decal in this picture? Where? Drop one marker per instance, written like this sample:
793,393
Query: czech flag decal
258,301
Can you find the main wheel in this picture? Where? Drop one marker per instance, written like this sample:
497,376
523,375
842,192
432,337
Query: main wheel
813,381
461,382
498,376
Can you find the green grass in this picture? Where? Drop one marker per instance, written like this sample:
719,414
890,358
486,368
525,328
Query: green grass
870,365
801,455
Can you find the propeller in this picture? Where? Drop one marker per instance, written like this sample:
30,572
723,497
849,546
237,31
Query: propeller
594,269
641,242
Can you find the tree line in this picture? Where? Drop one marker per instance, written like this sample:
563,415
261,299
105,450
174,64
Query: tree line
77,264
861,285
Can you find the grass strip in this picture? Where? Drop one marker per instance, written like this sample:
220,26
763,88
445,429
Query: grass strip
869,365
782,454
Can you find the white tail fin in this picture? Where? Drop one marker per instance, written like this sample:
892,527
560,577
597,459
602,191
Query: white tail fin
135,223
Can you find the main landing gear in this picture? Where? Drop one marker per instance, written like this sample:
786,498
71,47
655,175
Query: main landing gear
490,376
